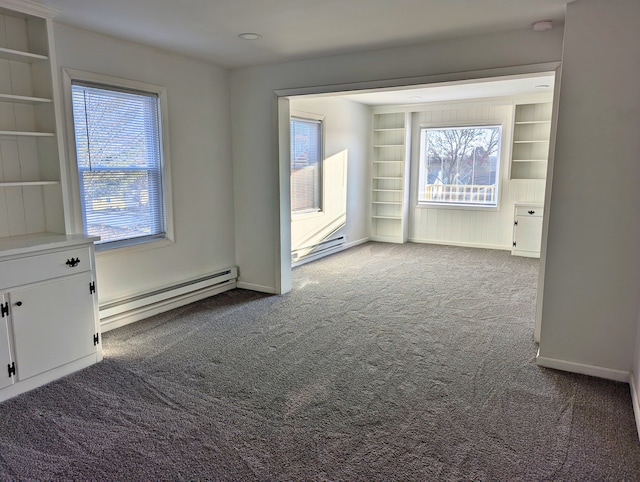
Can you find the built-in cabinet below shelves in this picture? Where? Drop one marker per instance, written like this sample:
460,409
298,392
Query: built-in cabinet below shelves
530,149
48,310
527,230
388,181
48,293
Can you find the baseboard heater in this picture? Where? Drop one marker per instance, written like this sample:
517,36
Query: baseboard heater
309,253
127,310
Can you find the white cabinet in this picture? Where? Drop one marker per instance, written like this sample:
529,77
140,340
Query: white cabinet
389,184
49,325
527,230
530,149
5,352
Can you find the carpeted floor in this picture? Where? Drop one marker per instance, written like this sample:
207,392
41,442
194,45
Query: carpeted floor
398,362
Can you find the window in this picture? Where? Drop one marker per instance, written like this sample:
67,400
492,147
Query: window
306,165
119,153
460,165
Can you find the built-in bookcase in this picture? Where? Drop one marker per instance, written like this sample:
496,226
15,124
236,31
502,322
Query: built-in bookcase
530,150
31,199
389,182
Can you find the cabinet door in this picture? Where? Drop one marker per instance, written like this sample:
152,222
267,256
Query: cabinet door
53,324
5,352
528,233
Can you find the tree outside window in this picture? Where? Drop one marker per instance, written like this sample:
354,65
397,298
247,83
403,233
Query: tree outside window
460,165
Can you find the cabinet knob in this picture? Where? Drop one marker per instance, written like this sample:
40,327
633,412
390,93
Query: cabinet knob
18,303
531,212
73,262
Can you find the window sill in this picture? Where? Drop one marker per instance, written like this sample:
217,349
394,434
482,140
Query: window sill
306,215
466,207
132,248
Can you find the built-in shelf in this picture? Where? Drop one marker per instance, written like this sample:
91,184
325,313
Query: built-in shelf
26,134
20,56
30,139
28,183
389,184
530,147
21,99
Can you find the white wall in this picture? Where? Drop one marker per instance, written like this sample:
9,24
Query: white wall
347,127
199,135
592,279
478,227
253,111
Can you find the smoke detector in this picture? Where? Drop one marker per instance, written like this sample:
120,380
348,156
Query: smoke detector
542,26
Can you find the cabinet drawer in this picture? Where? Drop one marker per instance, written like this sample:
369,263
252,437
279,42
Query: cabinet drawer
30,269
529,211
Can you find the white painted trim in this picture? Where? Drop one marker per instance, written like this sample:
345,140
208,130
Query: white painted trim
329,251
30,7
255,287
575,367
635,399
461,244
143,312
412,81
547,205
68,76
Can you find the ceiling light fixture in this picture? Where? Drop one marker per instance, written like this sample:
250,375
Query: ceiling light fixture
542,25
250,36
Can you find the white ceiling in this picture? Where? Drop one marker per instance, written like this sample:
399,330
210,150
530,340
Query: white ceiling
297,29
520,85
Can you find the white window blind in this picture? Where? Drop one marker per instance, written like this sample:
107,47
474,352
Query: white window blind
119,155
306,165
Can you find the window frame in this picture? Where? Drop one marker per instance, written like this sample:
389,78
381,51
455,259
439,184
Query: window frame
69,77
458,205
319,119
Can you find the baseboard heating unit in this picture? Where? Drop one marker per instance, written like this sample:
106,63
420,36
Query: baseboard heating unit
318,250
127,310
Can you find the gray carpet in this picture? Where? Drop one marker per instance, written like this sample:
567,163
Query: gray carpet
410,362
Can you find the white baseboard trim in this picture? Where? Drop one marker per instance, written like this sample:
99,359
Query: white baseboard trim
635,399
255,287
459,243
574,367
327,252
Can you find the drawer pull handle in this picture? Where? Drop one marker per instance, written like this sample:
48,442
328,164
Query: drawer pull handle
19,303
73,262
531,212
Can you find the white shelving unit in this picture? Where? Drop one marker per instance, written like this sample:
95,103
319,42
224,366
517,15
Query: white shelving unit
31,173
389,182
48,301
530,150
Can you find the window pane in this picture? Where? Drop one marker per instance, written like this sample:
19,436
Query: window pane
460,165
306,165
118,147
